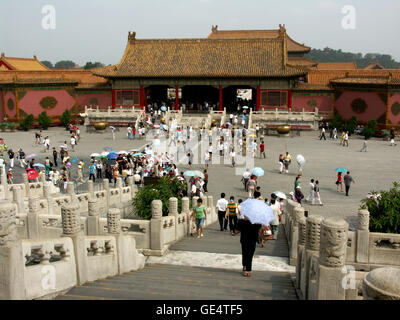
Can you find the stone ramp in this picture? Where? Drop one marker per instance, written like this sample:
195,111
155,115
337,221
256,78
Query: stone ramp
216,241
167,282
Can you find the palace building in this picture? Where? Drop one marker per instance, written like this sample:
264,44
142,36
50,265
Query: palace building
268,65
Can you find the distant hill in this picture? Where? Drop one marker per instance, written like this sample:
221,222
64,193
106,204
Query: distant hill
332,55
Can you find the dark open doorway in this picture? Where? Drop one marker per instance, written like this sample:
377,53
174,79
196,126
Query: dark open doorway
235,97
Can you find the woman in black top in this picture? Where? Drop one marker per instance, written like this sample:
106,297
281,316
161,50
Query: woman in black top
248,240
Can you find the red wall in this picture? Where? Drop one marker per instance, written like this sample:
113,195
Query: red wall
1,107
30,103
104,100
300,102
393,99
376,106
10,113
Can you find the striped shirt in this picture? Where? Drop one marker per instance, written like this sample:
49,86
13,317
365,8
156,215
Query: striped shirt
232,208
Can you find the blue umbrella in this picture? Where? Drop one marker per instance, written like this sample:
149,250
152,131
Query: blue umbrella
257,171
137,154
75,160
163,108
190,173
341,170
112,156
39,165
257,212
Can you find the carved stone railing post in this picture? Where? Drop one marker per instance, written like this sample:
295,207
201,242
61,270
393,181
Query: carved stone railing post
294,236
173,211
326,277
382,284
48,197
211,214
25,181
114,221
301,245
18,198
131,184
313,228
363,237
156,228
3,179
71,191
186,211
106,187
72,228
33,218
90,189
12,283
93,218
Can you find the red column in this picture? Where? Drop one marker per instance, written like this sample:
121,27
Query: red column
176,97
141,97
113,98
145,98
220,99
258,100
289,100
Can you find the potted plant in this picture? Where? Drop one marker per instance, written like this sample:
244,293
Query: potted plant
3,126
11,126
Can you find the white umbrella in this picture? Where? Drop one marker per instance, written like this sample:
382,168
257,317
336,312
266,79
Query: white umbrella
300,160
104,153
122,152
257,212
95,154
280,194
156,142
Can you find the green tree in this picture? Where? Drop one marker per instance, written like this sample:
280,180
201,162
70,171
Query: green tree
44,120
65,118
384,210
166,188
337,121
65,64
351,125
27,123
370,129
48,64
90,65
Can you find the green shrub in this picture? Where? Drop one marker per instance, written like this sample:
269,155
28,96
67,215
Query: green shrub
337,121
44,120
3,126
384,210
65,118
11,125
165,189
351,125
370,129
27,123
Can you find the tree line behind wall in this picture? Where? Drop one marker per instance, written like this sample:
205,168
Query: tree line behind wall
68,64
332,55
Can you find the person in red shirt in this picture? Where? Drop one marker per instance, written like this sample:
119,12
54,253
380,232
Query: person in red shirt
262,149
133,132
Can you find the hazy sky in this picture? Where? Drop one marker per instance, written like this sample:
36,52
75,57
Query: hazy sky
97,30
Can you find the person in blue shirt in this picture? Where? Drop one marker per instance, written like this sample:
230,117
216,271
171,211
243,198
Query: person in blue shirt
92,170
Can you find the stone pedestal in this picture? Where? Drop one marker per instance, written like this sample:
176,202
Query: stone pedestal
90,189
25,181
157,236
93,218
33,218
18,198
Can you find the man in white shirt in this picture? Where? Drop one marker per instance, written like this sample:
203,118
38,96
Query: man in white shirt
221,205
246,177
275,223
311,196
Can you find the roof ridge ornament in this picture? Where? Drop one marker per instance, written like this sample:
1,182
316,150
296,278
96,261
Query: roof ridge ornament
214,29
131,35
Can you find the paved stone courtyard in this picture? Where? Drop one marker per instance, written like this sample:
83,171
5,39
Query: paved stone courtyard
372,170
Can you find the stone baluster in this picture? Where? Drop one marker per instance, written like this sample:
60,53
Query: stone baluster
186,211
382,284
106,187
93,218
156,228
173,211
42,178
298,213
119,183
131,184
25,181
114,221
194,201
48,197
326,276
33,218
300,249
211,210
313,228
3,179
71,192
363,237
90,189
18,198
12,282
72,228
